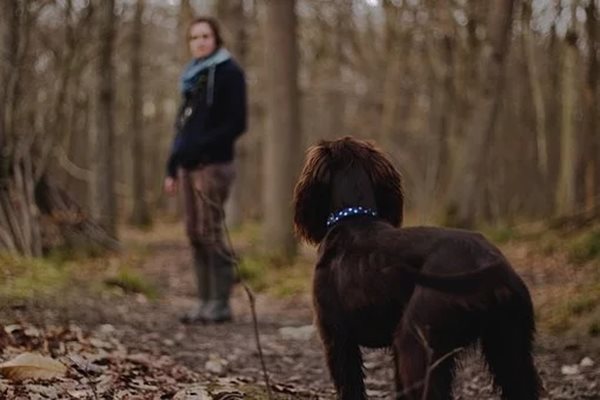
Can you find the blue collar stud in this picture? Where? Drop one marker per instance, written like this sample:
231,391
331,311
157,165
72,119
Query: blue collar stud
348,212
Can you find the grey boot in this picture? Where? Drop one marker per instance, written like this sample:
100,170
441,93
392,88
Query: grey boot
221,282
201,269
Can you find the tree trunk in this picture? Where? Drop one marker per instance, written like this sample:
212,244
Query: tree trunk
566,193
186,15
592,134
7,32
398,48
334,91
441,86
66,224
19,215
233,20
468,179
140,215
104,207
282,138
536,91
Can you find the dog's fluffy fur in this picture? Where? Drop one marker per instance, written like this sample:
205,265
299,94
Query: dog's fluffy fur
423,291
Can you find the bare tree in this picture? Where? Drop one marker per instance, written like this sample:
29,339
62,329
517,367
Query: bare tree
591,96
537,93
283,130
140,214
397,49
566,191
468,177
7,11
232,16
186,15
104,204
19,215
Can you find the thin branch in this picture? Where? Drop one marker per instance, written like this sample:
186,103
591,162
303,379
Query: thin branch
70,167
84,370
432,366
251,297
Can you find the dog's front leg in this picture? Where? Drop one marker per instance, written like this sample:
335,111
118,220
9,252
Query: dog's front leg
341,348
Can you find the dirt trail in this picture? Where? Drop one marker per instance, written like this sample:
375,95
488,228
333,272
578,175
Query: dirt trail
292,351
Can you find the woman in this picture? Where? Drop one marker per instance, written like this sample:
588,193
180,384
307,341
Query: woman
211,117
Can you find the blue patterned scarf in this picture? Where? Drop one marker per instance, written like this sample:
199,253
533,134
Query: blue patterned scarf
193,69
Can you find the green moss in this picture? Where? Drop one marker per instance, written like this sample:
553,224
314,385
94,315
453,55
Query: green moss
559,323
247,235
265,274
573,313
502,235
253,270
584,247
130,281
583,305
23,277
594,328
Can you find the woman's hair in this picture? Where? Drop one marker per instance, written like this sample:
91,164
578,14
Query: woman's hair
214,27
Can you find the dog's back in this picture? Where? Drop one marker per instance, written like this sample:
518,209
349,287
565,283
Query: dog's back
370,270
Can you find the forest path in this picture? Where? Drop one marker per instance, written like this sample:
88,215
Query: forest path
137,349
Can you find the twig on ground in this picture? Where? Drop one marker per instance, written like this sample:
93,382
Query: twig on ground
251,298
432,366
83,370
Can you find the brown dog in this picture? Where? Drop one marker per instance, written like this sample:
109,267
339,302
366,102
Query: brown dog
424,291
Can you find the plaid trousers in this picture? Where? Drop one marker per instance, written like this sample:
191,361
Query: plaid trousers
205,190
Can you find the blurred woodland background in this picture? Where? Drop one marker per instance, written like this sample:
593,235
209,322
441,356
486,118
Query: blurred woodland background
489,108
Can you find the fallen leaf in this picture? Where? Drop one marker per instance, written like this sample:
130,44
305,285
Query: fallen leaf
29,365
586,362
569,369
196,392
302,333
216,365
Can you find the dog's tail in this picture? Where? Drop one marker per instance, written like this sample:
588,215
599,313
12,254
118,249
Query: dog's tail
465,282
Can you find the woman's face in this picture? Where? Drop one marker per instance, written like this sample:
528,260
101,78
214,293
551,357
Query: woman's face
202,40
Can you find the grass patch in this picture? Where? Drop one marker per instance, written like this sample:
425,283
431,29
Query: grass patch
583,305
247,235
266,274
501,235
559,323
23,278
269,272
64,269
293,281
130,281
253,270
580,310
594,328
584,247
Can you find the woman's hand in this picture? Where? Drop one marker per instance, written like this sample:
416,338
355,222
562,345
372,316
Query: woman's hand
170,186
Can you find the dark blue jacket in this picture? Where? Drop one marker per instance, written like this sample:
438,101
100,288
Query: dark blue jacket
210,119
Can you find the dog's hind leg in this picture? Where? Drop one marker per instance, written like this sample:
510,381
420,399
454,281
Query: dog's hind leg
344,360
397,377
426,357
419,371
507,347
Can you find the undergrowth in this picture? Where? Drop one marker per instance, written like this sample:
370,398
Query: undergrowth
572,305
24,278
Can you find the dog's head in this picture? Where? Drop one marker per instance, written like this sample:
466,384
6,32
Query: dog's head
342,173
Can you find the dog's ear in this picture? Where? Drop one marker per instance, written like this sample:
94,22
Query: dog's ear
387,185
312,196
